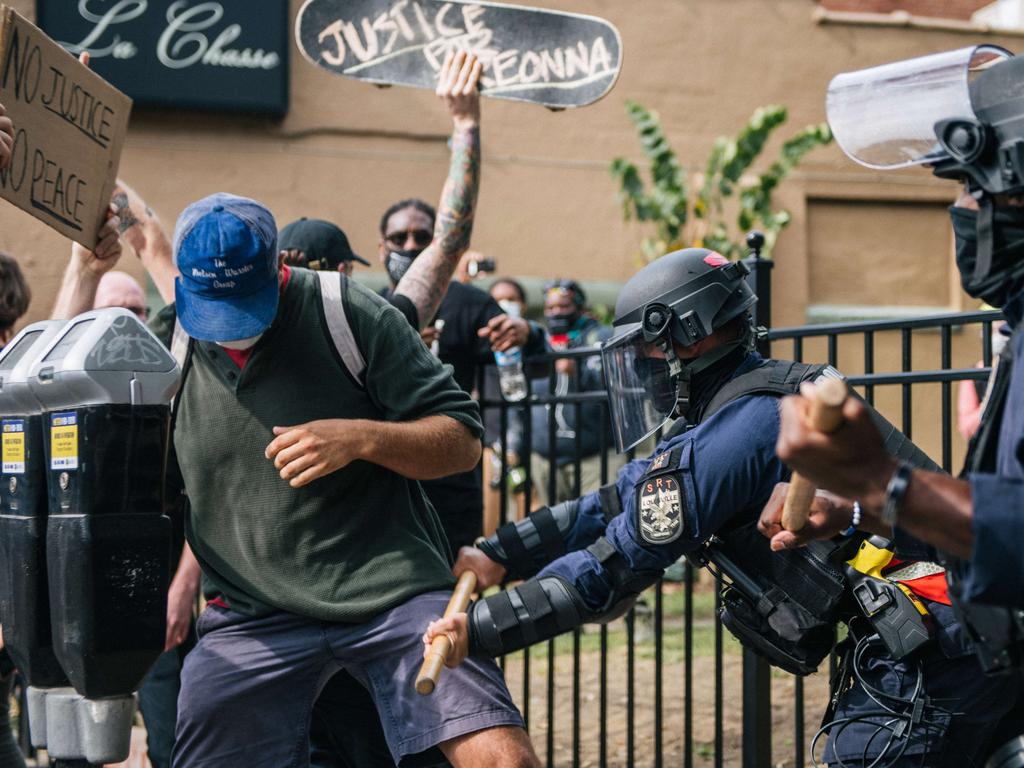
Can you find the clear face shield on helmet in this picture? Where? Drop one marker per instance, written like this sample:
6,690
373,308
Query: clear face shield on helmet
886,117
642,391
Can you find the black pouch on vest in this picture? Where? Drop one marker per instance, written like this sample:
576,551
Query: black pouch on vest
782,605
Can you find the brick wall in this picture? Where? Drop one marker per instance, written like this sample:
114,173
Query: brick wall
946,9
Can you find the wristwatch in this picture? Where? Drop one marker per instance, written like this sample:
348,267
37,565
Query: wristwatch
894,493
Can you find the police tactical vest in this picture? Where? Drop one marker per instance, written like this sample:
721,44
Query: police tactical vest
784,605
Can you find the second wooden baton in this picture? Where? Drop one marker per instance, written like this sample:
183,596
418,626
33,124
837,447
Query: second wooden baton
826,415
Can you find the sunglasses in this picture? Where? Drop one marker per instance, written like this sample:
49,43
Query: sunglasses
421,237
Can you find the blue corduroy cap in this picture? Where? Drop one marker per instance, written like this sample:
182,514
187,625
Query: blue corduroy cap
225,247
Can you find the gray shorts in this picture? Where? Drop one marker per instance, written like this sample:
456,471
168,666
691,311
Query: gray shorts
248,687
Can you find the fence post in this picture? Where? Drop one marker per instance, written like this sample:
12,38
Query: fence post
757,684
760,281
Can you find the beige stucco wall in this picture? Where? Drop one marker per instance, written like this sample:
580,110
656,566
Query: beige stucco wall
547,207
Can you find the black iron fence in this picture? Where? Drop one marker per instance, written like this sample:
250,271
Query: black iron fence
665,686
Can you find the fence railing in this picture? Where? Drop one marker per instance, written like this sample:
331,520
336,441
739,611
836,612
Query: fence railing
665,686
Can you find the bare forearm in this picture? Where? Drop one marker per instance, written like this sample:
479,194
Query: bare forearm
425,449
77,292
936,509
186,577
426,281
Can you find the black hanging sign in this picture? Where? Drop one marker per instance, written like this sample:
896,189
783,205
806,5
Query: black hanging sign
203,54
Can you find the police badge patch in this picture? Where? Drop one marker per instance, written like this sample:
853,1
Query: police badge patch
660,509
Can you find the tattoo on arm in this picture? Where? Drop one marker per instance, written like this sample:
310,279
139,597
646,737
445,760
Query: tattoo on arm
124,213
426,282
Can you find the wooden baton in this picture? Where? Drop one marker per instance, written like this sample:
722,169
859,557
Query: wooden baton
441,645
826,415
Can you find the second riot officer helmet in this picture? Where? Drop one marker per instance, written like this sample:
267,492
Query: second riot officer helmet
678,300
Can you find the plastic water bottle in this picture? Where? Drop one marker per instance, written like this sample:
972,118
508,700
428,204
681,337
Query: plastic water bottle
510,374
435,345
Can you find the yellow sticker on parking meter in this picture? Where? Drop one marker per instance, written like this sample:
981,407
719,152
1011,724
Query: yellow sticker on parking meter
13,446
64,441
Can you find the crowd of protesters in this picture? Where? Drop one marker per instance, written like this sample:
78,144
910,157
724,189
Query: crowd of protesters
456,324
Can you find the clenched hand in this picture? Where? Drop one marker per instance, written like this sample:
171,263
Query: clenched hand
306,452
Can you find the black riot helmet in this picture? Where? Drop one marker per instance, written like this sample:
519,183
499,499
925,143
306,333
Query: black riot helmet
681,298
962,114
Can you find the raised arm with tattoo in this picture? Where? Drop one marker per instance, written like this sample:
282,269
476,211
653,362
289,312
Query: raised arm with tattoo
426,281
142,230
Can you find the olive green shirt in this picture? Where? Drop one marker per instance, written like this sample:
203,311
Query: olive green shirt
348,545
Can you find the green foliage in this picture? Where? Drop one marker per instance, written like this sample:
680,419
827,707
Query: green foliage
679,220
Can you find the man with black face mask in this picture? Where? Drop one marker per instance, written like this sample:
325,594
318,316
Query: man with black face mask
974,518
468,327
583,429
977,517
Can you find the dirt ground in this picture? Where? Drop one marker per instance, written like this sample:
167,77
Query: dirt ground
673,726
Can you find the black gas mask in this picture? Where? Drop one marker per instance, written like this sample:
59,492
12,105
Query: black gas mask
1001,277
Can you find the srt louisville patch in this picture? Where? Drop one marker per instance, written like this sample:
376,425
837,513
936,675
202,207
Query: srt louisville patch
660,509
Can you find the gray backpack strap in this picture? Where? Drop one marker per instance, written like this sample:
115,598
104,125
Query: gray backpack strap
338,325
179,344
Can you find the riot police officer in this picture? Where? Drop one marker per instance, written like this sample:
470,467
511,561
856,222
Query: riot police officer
968,125
684,346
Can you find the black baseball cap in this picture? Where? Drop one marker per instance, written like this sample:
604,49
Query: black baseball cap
324,244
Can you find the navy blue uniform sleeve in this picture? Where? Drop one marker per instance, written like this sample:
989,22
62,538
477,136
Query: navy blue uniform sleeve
725,469
590,518
995,574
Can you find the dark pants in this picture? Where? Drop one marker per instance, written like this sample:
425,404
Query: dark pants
248,687
158,701
345,731
10,755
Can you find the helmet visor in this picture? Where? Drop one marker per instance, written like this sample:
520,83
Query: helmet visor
885,117
641,392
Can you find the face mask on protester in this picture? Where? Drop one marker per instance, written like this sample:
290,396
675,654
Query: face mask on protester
398,262
561,325
1005,278
511,308
241,344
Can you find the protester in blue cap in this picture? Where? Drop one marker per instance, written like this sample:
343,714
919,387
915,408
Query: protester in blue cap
319,550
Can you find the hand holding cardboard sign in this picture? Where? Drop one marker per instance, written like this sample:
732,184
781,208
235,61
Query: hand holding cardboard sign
6,138
106,254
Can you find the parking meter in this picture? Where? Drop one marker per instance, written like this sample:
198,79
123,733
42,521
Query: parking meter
105,384
24,594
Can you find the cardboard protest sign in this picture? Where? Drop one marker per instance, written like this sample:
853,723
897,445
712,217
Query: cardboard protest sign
69,127
546,57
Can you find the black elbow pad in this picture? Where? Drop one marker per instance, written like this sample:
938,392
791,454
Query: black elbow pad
526,546
533,611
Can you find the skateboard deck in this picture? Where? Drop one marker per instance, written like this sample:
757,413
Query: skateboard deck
556,59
